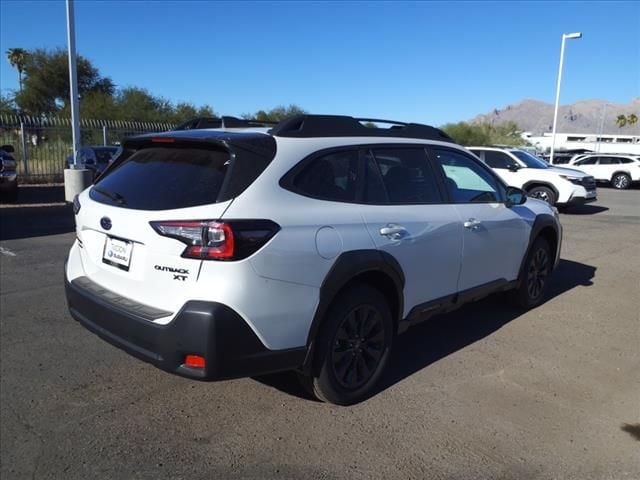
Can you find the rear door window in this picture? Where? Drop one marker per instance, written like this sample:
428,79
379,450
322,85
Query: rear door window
164,178
407,175
609,161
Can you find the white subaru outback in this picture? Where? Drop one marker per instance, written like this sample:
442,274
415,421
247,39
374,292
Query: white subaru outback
562,187
217,254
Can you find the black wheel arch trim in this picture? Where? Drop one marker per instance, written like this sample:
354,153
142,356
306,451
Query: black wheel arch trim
541,222
346,268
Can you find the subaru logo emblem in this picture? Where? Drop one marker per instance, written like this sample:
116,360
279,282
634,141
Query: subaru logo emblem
105,222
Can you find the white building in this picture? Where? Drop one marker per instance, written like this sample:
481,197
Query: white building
596,143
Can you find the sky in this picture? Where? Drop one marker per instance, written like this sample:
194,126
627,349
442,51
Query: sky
429,62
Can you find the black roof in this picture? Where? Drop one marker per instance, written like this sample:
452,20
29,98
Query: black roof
307,126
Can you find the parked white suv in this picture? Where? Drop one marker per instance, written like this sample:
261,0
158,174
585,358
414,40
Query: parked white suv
563,187
218,254
620,171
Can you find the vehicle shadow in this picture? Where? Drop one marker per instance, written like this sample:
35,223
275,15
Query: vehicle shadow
585,210
38,211
445,334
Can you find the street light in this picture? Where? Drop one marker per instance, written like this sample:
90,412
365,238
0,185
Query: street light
565,36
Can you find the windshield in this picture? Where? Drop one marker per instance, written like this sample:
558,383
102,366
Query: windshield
529,160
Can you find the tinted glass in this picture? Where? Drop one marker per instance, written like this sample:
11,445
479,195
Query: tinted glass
164,178
104,155
406,175
531,161
587,161
330,177
374,191
498,159
625,160
467,181
608,161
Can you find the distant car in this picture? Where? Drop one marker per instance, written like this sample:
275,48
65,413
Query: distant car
562,187
8,174
621,171
95,158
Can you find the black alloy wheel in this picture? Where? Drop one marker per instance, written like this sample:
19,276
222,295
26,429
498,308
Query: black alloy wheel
358,347
537,272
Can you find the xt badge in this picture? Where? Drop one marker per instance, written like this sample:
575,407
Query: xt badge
179,274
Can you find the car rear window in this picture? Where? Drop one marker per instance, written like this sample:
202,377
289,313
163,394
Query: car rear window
165,178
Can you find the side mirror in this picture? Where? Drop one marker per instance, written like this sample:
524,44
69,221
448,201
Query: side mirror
515,196
7,148
514,167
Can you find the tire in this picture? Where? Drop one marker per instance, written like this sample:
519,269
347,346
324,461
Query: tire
534,279
543,193
11,195
621,181
352,348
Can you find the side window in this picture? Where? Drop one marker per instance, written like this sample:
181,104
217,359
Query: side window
407,175
478,153
625,160
498,159
330,177
588,161
374,191
608,161
467,181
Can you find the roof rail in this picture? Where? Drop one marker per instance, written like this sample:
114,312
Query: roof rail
222,122
307,126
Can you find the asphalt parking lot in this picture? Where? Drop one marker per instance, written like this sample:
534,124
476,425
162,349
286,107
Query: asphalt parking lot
485,392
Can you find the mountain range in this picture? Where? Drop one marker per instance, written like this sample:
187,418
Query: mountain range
585,116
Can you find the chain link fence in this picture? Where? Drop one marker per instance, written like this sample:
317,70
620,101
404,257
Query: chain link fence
42,144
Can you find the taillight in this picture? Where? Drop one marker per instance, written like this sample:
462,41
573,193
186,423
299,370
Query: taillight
216,240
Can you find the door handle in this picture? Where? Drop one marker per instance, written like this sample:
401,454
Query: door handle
472,224
393,231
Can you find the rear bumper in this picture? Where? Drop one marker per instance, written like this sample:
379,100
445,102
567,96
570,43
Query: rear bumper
213,330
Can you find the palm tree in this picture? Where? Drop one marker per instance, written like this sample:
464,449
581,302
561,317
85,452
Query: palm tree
18,58
632,119
621,121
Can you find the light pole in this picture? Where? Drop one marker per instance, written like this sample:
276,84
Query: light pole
565,36
73,81
76,178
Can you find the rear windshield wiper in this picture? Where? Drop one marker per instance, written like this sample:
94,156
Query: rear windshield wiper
116,197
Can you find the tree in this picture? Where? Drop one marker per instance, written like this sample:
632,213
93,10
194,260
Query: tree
621,121
46,81
276,114
185,111
484,133
632,119
7,105
17,58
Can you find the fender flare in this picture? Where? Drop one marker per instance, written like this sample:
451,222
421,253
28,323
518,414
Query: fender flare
348,266
541,222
